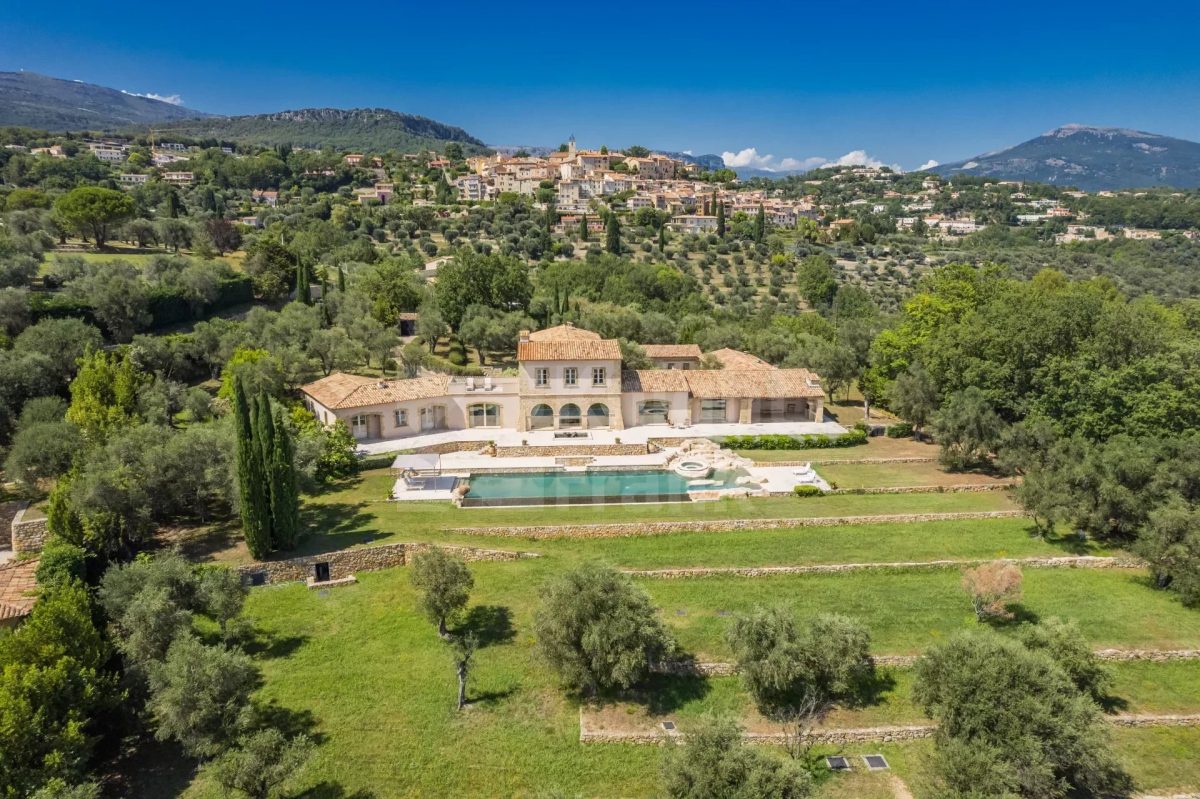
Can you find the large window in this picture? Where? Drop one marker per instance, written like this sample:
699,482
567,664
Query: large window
712,410
541,377
484,414
597,415
599,373
541,416
653,412
401,418
568,415
571,376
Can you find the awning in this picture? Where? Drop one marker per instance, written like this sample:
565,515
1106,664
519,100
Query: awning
423,462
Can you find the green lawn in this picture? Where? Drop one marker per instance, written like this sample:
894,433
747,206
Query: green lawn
907,611
890,475
877,447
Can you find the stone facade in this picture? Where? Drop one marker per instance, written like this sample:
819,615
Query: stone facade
720,525
346,562
28,535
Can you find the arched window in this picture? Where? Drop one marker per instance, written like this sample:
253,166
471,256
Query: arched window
597,415
483,414
653,412
568,415
541,416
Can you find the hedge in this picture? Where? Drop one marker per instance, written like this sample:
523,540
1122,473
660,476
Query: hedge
807,491
853,438
900,430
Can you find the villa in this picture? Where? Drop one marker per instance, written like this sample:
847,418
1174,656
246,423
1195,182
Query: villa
570,380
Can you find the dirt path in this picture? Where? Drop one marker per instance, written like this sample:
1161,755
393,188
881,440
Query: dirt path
899,789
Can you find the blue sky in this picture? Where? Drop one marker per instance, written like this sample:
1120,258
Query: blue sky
901,82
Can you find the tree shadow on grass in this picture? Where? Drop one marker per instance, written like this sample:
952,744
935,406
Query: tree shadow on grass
147,768
492,624
664,693
1110,703
1071,543
870,688
332,526
335,790
269,646
489,698
288,721
1018,614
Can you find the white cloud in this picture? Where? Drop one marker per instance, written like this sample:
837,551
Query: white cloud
751,158
930,164
687,152
173,99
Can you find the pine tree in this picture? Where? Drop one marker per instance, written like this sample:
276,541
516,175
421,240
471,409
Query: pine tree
252,484
720,217
285,502
613,233
583,228
760,225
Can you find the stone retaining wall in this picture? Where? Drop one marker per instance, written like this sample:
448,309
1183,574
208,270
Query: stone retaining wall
573,450
626,529
346,562
691,668
28,535
1069,561
934,489
450,446
818,461
849,735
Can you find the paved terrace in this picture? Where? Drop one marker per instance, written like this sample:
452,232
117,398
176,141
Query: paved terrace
630,435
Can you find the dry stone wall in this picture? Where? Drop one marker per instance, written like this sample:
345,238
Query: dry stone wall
934,489
347,562
626,529
28,535
1071,561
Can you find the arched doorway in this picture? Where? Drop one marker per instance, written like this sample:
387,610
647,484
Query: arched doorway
569,416
597,415
541,417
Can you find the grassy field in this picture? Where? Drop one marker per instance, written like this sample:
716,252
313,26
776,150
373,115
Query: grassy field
890,475
360,669
876,447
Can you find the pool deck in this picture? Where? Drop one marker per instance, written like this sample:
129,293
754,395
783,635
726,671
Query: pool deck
630,435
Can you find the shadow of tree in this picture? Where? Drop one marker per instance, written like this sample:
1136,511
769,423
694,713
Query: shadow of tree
266,645
492,624
1112,704
1018,614
870,688
288,721
489,698
335,790
664,693
331,526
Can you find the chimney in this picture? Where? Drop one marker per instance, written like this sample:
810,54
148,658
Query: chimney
523,336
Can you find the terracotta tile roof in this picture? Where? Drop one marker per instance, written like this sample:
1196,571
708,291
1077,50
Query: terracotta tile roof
672,350
652,380
17,585
569,350
736,359
752,383
567,332
341,390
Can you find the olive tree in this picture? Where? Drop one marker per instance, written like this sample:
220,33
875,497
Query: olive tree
444,583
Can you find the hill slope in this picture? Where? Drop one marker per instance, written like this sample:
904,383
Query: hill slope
1092,159
375,129
37,101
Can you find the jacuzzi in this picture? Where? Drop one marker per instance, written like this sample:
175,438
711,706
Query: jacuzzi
693,468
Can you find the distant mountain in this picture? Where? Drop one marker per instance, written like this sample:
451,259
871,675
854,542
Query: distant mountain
44,103
708,162
1091,159
373,129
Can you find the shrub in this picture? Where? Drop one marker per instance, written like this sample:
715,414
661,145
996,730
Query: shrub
61,562
717,762
807,491
993,586
900,430
776,441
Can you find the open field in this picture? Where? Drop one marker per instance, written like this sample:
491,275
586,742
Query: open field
363,671
891,475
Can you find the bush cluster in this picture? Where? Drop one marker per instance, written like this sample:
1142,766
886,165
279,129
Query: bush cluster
853,438
900,430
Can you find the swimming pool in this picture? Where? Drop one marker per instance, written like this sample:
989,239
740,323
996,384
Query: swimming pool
585,488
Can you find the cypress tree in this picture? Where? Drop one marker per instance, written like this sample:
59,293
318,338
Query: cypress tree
264,432
760,225
613,232
662,239
303,294
285,502
720,217
583,229
252,484
341,280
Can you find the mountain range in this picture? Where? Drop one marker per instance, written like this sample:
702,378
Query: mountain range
1092,159
37,101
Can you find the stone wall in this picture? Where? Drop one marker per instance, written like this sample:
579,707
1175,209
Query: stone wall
8,512
346,562
28,535
817,460
626,529
450,446
572,450
1066,561
999,485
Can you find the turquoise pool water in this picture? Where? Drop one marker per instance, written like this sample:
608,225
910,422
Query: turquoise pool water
582,487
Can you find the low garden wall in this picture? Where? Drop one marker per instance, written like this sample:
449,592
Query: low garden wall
999,485
625,529
573,450
346,562
1047,562
28,535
